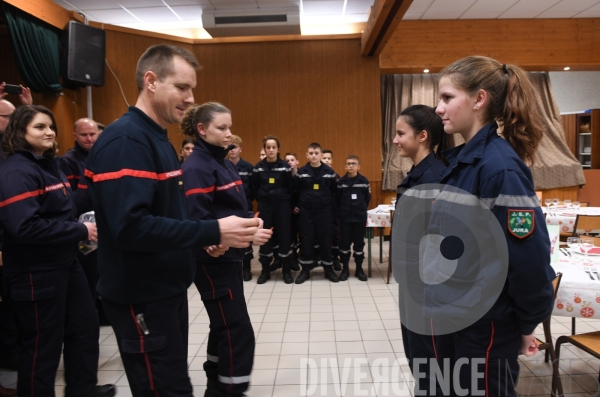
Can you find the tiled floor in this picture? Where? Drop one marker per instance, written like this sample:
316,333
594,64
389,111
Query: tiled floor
345,335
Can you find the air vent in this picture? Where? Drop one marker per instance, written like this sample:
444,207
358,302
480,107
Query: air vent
233,23
250,19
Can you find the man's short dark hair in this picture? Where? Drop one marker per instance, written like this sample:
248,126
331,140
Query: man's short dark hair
314,145
159,59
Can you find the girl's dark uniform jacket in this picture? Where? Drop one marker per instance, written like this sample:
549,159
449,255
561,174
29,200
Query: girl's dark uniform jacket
305,181
429,170
353,210
37,215
488,168
272,181
245,169
213,190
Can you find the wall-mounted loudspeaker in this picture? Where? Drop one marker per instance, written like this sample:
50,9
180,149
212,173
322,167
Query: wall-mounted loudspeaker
84,54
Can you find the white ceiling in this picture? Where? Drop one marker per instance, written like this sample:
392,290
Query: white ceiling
183,17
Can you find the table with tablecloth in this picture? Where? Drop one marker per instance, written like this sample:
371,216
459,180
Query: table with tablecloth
380,218
579,290
565,217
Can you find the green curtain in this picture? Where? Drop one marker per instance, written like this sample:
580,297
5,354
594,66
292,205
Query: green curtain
37,49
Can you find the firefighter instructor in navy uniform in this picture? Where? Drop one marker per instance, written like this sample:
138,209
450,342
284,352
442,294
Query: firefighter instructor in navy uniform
145,254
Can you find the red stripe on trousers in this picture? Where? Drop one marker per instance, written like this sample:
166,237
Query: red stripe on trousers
148,367
487,358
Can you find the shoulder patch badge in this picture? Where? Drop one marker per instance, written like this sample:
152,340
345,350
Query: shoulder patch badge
521,222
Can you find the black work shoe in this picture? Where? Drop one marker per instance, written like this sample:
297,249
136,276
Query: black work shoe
304,275
294,265
336,264
345,273
276,265
264,277
101,391
330,274
247,274
360,274
287,275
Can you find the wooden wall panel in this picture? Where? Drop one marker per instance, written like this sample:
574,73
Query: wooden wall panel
591,190
569,123
535,44
300,91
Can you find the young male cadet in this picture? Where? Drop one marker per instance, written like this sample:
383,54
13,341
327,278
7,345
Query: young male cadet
315,187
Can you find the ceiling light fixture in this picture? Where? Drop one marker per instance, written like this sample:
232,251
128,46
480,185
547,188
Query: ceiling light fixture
567,68
426,71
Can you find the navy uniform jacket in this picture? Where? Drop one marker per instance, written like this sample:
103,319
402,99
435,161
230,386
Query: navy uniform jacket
135,182
213,190
37,215
488,168
272,181
429,170
315,188
73,166
352,197
245,169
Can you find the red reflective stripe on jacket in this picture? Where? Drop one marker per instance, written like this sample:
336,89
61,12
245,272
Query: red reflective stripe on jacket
73,177
81,186
213,188
134,173
21,196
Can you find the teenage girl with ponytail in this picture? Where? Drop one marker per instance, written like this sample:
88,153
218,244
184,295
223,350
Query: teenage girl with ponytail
494,108
419,132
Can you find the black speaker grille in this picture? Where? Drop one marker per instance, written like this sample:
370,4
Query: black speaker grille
86,51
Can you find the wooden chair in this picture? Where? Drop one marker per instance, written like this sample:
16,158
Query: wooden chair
589,342
585,203
548,345
586,222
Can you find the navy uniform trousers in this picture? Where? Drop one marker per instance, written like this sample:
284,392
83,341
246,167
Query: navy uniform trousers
483,356
230,350
153,341
315,227
352,233
275,214
55,307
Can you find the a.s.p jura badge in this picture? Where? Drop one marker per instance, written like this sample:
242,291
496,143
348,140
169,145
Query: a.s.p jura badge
521,222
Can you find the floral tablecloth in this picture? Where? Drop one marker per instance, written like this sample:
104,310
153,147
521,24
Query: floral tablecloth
380,216
579,290
565,218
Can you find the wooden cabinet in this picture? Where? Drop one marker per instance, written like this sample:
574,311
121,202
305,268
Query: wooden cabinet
588,139
582,135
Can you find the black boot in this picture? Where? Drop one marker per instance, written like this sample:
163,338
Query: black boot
102,391
247,274
265,274
287,274
304,275
359,274
330,274
294,265
276,264
336,264
345,272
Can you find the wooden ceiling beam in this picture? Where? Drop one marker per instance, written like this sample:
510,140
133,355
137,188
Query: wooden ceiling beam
383,19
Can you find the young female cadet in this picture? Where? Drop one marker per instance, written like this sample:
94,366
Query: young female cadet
214,190
272,188
419,130
477,95
48,288
187,146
